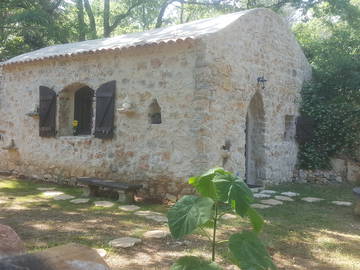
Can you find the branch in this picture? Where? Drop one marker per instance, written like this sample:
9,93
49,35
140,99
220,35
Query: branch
120,17
91,19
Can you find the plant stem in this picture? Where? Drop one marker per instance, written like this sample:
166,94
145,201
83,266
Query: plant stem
214,233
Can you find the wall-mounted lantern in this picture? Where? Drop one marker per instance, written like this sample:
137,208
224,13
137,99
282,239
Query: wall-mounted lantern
261,81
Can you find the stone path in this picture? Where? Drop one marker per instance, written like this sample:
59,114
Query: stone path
311,199
283,198
52,193
78,201
228,216
157,234
63,197
152,215
342,203
129,208
290,194
261,195
260,206
271,202
103,204
124,242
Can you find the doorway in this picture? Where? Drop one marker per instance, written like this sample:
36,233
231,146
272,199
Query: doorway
254,148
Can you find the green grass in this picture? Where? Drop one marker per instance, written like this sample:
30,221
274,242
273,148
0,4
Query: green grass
299,235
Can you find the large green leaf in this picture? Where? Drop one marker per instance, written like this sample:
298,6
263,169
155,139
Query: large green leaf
256,220
231,189
249,252
194,263
188,213
204,184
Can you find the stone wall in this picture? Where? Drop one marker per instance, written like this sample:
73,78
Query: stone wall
159,156
254,46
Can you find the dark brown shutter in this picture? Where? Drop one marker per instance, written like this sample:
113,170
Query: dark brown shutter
47,112
105,108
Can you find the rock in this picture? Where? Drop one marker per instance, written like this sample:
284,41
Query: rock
353,172
67,257
129,208
102,252
152,215
45,188
228,216
52,193
260,206
103,204
158,234
312,199
170,197
271,202
268,191
290,194
258,189
63,197
261,195
124,242
284,198
10,242
342,203
78,201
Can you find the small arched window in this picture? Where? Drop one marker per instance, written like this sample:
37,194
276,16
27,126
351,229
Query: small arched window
154,112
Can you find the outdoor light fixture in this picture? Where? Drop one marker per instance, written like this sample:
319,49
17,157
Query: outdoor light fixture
261,80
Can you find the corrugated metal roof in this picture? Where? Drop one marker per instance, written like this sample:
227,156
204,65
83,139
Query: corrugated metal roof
188,31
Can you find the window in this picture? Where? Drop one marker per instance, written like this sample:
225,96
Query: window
154,112
289,133
83,111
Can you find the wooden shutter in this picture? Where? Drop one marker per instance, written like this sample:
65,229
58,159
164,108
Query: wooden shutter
105,108
47,112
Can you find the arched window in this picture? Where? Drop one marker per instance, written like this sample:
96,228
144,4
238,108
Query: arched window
83,111
154,112
75,110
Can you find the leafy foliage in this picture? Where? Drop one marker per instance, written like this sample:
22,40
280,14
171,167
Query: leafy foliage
249,252
220,191
331,41
189,213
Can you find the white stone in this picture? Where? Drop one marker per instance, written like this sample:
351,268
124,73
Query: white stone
258,189
290,194
284,198
261,195
52,193
152,215
170,197
45,188
260,206
342,203
312,199
129,208
124,242
158,234
78,201
103,204
63,197
268,191
228,216
271,202
102,252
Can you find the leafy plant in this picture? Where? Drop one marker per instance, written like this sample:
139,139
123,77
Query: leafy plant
219,191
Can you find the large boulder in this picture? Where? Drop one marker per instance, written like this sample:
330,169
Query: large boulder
67,257
10,242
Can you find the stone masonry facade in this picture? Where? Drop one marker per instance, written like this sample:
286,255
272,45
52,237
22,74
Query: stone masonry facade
204,88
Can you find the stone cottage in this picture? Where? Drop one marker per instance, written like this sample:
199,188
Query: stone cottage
159,106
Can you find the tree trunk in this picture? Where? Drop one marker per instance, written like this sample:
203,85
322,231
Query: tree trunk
106,18
91,19
81,23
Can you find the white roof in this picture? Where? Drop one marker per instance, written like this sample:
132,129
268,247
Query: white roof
175,33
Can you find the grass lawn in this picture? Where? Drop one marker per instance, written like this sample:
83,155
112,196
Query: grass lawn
299,235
